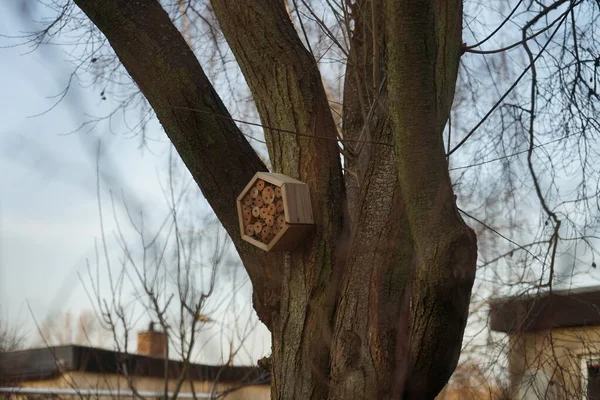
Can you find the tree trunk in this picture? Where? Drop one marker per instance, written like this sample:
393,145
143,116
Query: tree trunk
422,65
373,305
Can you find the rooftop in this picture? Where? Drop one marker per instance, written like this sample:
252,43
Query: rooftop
49,362
546,310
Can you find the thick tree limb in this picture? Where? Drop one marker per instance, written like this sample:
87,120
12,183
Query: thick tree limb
289,94
287,88
358,103
212,147
369,356
423,40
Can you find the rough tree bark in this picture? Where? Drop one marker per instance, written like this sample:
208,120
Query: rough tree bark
374,304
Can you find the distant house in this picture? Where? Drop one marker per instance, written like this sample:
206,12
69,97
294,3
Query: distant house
92,373
554,341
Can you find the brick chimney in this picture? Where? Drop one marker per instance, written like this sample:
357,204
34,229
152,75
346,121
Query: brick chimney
153,342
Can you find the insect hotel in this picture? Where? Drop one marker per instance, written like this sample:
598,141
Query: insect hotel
274,212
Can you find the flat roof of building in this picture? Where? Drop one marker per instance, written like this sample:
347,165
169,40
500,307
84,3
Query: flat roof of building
546,310
49,362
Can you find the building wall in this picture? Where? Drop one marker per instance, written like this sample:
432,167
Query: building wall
85,380
547,364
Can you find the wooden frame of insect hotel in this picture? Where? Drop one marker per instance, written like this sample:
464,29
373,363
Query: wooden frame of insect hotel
274,212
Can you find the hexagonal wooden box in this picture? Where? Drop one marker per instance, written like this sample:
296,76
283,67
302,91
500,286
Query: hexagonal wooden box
274,212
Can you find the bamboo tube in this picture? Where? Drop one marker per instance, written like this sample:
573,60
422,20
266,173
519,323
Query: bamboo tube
249,229
264,212
260,184
271,209
248,200
259,201
270,220
256,211
279,205
257,227
281,221
254,192
277,192
268,195
266,234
